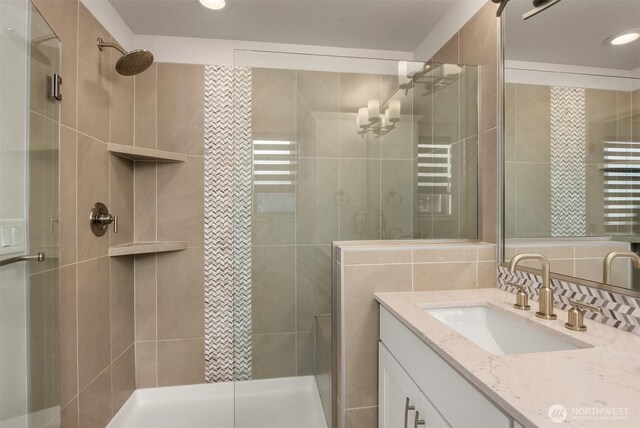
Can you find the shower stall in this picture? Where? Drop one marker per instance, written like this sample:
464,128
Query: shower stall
299,151
334,149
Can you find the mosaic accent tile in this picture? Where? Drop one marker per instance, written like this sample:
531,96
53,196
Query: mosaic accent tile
568,154
618,311
227,224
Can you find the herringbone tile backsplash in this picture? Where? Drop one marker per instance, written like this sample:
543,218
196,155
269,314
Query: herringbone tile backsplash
618,310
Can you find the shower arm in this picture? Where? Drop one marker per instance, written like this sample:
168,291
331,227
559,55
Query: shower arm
501,6
102,44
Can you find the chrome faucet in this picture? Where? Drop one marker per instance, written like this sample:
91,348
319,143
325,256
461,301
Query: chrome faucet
606,277
545,309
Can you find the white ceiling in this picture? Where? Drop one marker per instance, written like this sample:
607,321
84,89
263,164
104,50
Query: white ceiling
573,32
398,25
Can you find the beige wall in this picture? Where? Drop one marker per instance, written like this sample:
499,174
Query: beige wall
95,291
169,206
365,269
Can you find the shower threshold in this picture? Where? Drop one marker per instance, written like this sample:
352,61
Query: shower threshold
279,403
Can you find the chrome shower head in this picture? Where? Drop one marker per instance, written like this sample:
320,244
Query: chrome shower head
130,63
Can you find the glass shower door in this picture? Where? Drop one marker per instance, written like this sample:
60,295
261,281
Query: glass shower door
29,127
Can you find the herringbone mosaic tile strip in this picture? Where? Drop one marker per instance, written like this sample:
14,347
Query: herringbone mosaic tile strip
568,155
227,224
242,221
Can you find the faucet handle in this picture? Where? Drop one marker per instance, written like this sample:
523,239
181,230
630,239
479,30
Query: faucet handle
522,299
575,315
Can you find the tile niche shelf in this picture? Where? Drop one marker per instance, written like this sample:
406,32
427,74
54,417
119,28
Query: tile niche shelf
146,248
142,154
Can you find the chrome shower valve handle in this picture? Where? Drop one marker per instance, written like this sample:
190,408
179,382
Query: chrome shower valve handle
100,219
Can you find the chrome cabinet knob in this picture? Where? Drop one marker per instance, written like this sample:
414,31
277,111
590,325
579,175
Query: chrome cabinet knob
100,219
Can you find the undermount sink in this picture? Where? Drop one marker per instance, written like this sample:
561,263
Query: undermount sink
500,332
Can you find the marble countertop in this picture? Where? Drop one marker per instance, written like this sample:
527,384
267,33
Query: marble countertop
589,383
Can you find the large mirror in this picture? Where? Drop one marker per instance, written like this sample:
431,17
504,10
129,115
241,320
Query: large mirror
572,136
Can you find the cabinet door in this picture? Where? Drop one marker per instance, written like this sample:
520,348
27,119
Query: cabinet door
401,402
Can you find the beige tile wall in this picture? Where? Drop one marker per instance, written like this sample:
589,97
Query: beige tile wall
95,292
364,269
169,206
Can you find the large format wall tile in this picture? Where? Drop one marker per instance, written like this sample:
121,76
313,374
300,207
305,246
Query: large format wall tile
533,123
145,297
121,199
145,201
123,378
181,108
273,104
180,294
122,309
361,314
95,408
146,365
180,210
180,362
94,72
93,186
534,182
273,289
488,177
146,108
94,331
67,212
68,335
274,355
121,105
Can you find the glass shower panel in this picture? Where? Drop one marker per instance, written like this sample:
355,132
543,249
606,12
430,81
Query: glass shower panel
29,342
339,152
446,157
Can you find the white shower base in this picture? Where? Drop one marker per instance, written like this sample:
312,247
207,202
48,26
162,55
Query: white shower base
279,403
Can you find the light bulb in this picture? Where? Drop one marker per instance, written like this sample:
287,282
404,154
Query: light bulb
624,38
213,4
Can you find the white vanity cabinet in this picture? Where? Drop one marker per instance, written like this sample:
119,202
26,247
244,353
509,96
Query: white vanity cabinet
401,402
408,368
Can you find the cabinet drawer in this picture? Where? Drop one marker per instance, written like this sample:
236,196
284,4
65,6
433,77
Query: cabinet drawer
459,402
400,402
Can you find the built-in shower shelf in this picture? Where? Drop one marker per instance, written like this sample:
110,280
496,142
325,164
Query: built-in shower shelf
143,154
146,248
619,166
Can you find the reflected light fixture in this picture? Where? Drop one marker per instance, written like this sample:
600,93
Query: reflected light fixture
213,4
624,38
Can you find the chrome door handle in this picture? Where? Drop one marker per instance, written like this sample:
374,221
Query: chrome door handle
39,257
407,407
417,421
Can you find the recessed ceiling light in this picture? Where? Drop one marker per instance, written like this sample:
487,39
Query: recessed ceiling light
624,38
213,4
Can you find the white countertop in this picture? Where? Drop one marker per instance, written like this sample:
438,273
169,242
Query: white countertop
605,377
